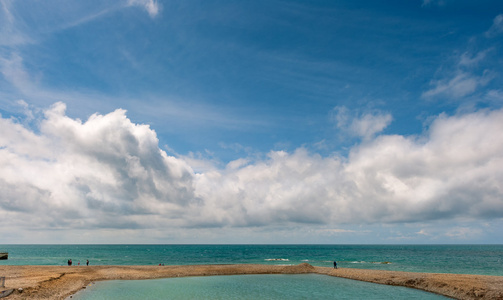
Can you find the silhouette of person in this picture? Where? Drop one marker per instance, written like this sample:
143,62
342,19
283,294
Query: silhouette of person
335,264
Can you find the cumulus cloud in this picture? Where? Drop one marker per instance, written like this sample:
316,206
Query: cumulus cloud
283,188
151,6
102,172
451,172
107,172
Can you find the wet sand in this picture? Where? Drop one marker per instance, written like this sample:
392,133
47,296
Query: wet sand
60,282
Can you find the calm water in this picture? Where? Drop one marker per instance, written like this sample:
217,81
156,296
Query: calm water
466,259
311,286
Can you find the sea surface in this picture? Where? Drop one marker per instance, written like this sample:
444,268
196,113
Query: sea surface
461,259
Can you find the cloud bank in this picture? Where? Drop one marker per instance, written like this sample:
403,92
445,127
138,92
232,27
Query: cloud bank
108,172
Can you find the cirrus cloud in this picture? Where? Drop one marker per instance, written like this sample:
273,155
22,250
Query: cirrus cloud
496,28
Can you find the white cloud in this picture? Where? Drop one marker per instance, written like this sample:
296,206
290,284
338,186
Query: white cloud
468,74
364,125
495,96
496,28
151,6
13,71
368,125
107,172
451,172
465,78
469,60
284,188
462,84
422,232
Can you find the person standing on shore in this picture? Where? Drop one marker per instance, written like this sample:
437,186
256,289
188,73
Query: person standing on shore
335,264
87,262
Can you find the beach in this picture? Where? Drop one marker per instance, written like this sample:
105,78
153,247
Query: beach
60,282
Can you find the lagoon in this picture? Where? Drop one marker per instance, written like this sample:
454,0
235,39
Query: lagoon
292,287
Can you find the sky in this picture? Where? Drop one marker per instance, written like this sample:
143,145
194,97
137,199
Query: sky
265,121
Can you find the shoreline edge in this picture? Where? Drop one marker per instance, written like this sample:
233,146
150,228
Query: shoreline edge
60,282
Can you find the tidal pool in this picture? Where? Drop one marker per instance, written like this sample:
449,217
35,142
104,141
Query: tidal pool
298,286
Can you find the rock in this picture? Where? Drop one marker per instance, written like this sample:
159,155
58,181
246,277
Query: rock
6,293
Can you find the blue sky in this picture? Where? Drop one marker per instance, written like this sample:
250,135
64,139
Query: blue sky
144,121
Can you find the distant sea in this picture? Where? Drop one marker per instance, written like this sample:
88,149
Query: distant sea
461,259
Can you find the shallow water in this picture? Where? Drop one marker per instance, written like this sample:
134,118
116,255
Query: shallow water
302,286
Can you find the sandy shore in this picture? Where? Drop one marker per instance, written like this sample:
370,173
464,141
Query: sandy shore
59,282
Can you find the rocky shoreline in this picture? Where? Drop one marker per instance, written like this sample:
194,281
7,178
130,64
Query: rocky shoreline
60,282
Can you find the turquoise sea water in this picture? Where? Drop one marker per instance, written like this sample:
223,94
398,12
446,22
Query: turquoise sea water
272,287
463,259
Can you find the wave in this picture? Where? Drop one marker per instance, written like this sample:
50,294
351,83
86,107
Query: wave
277,259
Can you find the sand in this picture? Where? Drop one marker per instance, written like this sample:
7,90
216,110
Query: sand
60,282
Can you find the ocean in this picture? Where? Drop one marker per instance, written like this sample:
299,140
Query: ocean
461,259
